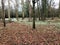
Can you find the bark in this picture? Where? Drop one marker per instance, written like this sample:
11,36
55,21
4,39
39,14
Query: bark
3,13
23,14
16,9
9,10
33,14
44,7
59,9
30,11
38,12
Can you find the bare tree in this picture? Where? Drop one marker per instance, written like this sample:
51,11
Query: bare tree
30,10
50,5
33,14
59,4
9,10
38,8
59,8
16,9
3,13
22,3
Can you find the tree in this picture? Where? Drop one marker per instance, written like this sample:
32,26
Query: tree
30,10
33,14
2,1
27,5
59,8
44,9
38,8
9,10
51,8
0,12
22,2
16,9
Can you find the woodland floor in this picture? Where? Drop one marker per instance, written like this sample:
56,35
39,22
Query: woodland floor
21,34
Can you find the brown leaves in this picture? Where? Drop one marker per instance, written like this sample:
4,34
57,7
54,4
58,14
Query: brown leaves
20,34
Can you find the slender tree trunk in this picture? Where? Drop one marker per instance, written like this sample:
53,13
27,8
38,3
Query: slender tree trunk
44,6
59,9
42,16
16,9
3,12
39,11
23,14
33,14
17,14
9,10
30,11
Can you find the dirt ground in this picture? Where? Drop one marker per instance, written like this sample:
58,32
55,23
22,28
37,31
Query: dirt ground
21,34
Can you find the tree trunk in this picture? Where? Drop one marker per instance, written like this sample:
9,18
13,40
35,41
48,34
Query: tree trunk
59,9
34,14
39,11
9,10
44,6
23,14
16,9
30,11
3,13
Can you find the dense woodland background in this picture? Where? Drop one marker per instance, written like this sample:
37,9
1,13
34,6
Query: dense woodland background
43,8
